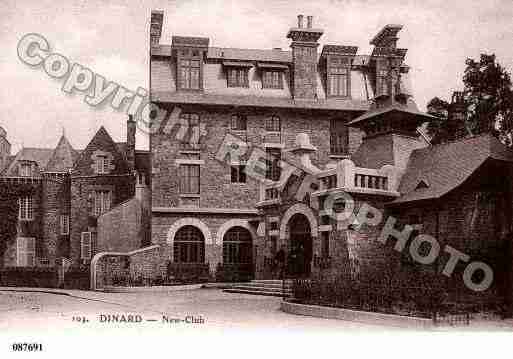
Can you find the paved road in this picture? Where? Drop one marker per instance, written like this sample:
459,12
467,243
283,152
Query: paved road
207,308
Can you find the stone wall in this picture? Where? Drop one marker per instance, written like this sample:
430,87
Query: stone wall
82,201
215,181
120,229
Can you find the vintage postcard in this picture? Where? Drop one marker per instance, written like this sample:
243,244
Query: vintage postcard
249,178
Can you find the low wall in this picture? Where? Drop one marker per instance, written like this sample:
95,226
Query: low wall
107,268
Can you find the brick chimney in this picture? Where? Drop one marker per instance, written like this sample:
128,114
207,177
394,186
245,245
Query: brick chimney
157,19
130,142
304,57
457,114
388,60
5,148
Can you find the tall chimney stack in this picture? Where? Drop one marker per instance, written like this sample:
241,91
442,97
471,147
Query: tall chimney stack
309,20
130,142
304,58
300,21
157,19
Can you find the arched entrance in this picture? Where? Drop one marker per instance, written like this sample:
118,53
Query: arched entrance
300,246
189,245
238,253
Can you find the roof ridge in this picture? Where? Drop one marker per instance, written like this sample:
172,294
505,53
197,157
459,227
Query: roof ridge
246,49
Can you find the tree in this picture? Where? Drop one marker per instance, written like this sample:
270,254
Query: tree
487,102
488,96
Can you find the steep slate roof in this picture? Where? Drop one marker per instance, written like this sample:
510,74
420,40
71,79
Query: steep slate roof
410,108
103,142
39,155
445,167
227,53
63,157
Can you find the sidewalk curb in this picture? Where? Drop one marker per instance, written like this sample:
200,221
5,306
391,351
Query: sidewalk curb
357,316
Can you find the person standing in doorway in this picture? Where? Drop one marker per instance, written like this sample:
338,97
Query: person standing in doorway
280,261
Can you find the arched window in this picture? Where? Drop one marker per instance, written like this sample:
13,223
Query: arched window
237,246
189,245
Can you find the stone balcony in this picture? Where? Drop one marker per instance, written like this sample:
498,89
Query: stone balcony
345,176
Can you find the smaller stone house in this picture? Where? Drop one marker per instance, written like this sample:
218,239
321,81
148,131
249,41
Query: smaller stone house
81,203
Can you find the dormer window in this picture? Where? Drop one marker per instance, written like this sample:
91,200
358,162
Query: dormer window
25,169
338,77
272,79
102,164
238,77
189,74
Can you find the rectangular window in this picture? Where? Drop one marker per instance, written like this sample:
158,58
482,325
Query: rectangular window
189,179
237,173
26,169
102,202
190,123
25,251
273,159
272,79
239,123
273,124
338,138
86,245
26,208
189,74
102,164
64,224
338,81
238,77
381,83
338,84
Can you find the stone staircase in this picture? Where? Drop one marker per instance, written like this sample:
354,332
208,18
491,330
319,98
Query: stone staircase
269,287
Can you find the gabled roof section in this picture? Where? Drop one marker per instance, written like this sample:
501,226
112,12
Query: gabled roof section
63,157
41,156
104,143
445,167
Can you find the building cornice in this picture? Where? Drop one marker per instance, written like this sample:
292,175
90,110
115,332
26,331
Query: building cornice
205,210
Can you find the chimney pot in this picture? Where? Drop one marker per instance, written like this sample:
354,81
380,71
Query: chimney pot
300,21
309,20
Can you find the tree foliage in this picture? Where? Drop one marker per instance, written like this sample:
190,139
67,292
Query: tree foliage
487,103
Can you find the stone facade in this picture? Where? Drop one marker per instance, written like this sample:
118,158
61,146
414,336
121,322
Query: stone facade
63,201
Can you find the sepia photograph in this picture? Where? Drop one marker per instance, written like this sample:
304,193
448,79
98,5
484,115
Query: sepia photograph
256,178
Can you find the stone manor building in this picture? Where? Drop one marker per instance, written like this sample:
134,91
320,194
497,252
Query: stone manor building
208,213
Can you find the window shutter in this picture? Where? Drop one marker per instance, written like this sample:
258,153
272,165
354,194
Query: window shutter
20,253
31,251
85,245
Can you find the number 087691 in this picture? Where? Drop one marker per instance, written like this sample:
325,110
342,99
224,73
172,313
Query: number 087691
27,347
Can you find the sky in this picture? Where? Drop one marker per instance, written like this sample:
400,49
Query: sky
111,38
